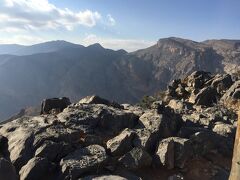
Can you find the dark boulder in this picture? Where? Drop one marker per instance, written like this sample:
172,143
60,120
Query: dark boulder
54,104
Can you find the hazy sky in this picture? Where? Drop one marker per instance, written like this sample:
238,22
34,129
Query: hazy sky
127,24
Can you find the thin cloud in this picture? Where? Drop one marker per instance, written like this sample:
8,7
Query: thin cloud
111,20
35,14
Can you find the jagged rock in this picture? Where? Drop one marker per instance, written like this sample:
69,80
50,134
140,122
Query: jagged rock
98,100
207,96
57,104
145,139
165,153
98,117
231,98
121,143
7,170
53,151
105,177
222,82
178,105
83,160
37,168
20,143
135,159
174,152
226,130
197,79
164,125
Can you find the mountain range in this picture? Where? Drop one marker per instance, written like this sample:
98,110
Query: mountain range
29,74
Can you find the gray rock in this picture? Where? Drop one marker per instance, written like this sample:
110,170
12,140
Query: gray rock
57,104
53,151
231,98
83,160
207,96
98,117
226,130
7,170
174,152
145,139
165,125
98,100
135,159
37,168
122,143
165,153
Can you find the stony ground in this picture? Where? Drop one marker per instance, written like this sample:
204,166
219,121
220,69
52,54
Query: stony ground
189,134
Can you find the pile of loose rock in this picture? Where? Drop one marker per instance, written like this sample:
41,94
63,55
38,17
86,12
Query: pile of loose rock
187,135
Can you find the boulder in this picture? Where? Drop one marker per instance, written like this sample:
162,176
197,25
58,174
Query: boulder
83,160
98,117
164,125
207,96
57,104
37,168
145,139
98,100
122,143
165,153
135,159
174,152
231,98
206,142
53,151
20,144
222,82
7,170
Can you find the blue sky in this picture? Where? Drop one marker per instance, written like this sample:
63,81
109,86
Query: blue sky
127,24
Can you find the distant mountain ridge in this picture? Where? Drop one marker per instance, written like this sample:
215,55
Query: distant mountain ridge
59,68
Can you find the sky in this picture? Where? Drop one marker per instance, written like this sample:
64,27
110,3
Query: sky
117,24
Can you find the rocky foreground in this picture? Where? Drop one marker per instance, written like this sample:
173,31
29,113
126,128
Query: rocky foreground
188,134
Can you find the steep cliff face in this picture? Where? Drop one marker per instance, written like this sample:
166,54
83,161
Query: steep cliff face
230,51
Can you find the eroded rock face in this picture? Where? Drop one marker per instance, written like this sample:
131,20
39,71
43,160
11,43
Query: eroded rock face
172,138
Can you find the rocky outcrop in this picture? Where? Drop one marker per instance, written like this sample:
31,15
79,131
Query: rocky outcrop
173,138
